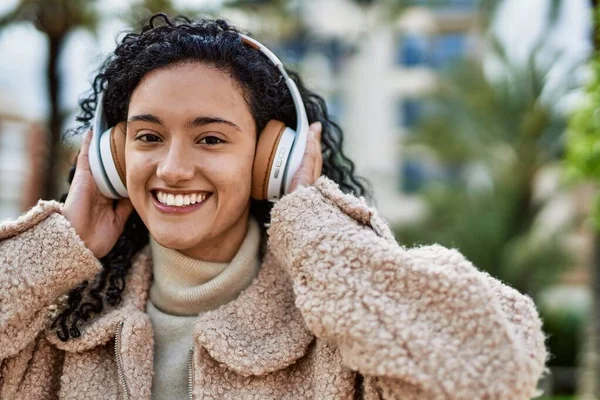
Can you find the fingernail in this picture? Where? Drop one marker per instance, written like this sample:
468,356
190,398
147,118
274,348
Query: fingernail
318,126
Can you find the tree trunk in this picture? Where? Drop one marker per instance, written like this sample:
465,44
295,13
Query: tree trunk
49,191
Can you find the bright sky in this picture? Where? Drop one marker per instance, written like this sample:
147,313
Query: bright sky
23,49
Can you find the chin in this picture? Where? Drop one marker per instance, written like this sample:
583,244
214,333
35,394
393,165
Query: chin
176,240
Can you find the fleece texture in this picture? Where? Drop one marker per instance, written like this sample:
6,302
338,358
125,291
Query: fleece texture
338,310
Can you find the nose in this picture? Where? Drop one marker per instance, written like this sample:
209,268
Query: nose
177,165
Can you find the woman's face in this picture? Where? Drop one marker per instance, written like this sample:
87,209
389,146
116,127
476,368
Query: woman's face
189,152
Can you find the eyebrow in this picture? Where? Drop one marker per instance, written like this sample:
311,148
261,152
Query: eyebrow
153,119
192,123
201,121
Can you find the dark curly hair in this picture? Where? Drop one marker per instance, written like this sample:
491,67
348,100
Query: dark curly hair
164,42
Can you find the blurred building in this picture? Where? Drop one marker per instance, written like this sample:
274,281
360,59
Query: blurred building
22,159
374,85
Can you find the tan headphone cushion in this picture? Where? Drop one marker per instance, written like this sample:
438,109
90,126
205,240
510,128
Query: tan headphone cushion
117,146
268,142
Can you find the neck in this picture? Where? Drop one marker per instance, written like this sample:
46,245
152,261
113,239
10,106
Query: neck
221,248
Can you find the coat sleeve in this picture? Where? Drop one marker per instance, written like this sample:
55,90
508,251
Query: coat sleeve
419,323
41,258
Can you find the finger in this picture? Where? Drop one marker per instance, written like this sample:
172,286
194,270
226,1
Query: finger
83,161
305,174
123,211
313,154
318,129
318,168
318,155
307,159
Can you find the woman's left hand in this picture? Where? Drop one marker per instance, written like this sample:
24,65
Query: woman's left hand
312,163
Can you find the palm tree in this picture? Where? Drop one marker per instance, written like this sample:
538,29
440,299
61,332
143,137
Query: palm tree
503,129
55,19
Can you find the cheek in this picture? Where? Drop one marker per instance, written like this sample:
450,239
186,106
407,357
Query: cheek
139,169
232,176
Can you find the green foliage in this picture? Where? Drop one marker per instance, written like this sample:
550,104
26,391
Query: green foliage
505,128
583,144
584,132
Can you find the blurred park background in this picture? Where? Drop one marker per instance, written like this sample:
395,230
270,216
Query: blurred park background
476,121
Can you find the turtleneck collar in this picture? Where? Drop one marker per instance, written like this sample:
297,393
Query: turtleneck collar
185,286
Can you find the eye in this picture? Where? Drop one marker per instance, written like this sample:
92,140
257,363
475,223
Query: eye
211,140
148,138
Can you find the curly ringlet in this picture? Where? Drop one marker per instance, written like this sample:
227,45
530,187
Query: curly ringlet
165,42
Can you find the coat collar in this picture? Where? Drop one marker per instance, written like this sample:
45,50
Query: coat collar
259,332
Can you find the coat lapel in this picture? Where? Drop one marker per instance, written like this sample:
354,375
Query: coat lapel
259,332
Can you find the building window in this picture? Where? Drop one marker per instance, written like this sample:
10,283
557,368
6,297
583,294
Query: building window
462,4
436,51
452,5
447,48
413,176
413,50
409,111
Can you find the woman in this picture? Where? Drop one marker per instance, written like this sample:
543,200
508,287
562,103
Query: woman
230,297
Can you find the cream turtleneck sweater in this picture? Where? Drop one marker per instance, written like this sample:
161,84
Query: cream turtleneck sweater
182,288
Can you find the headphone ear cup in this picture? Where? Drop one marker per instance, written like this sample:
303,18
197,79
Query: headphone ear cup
112,151
266,149
117,147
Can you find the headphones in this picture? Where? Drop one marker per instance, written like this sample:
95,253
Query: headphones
279,150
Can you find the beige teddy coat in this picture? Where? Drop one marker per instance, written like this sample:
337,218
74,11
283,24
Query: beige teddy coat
338,311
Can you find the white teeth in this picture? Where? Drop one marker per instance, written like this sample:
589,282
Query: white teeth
180,200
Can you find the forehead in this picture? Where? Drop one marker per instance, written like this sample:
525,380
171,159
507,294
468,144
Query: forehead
190,88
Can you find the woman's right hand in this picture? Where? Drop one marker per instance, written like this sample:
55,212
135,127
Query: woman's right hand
91,214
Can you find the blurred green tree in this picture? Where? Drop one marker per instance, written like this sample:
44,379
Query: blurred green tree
55,19
489,135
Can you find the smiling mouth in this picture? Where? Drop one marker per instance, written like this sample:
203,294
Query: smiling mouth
169,202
